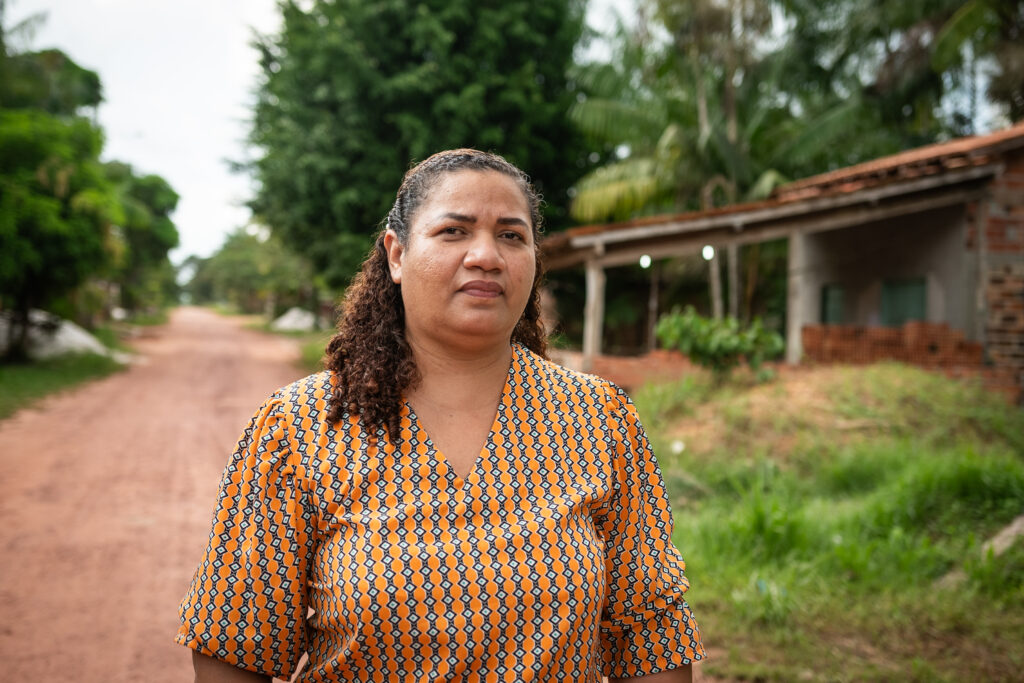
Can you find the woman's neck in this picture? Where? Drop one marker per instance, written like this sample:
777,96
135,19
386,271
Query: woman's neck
454,376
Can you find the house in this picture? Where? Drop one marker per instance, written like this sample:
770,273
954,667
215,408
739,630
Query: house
917,256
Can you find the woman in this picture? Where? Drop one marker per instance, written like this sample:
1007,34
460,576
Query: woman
443,503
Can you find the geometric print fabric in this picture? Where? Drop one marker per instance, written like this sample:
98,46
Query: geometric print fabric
551,561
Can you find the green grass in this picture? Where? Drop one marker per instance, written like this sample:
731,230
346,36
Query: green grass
311,344
112,336
24,383
159,317
311,350
816,533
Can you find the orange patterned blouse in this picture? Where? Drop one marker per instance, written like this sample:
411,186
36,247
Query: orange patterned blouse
551,561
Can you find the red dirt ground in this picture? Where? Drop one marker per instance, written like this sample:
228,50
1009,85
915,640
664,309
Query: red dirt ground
107,495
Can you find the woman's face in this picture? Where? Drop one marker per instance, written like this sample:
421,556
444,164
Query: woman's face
467,267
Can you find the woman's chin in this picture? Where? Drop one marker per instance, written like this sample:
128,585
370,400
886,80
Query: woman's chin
475,330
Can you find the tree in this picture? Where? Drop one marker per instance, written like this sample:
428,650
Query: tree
253,271
706,105
56,211
148,235
64,216
987,28
354,90
49,81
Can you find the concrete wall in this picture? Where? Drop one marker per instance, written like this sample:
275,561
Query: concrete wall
929,245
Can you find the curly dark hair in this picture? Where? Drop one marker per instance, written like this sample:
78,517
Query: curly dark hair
369,355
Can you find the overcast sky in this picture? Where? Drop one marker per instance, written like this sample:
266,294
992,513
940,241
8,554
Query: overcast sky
177,81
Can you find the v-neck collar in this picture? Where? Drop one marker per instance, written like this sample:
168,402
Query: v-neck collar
505,404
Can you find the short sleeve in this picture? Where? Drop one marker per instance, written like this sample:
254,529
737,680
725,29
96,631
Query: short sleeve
247,601
646,626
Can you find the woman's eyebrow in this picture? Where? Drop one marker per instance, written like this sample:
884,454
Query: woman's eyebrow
504,220
460,217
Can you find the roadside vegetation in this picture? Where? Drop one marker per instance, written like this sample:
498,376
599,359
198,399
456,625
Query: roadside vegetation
25,383
833,523
311,344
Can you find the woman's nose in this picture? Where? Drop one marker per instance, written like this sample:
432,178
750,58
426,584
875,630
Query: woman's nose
483,253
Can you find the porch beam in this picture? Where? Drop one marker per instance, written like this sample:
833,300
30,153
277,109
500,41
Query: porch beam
692,242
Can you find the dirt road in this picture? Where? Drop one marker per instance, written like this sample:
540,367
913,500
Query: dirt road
107,497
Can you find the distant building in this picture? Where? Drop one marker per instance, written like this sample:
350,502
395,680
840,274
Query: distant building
917,256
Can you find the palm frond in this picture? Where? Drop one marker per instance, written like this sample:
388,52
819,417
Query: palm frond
615,121
765,183
965,24
820,134
616,190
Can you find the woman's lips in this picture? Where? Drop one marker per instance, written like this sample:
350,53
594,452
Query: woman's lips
481,288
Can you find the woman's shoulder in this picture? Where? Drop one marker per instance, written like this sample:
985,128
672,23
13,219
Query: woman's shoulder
309,395
551,376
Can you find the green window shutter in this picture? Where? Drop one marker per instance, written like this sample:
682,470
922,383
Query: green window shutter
903,300
832,305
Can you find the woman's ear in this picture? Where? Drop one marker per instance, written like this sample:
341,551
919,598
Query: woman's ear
394,249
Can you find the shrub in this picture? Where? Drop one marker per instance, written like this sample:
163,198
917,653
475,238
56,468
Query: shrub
719,345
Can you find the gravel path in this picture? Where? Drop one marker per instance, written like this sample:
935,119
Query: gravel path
107,496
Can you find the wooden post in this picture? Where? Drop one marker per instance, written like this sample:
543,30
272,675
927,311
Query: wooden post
734,280
652,308
593,314
794,297
715,273
981,242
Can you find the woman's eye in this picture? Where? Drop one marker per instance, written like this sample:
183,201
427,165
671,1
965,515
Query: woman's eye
451,230
511,235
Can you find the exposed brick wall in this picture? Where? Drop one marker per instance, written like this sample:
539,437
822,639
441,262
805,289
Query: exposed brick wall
929,345
1004,276
1004,271
920,343
1004,225
1004,324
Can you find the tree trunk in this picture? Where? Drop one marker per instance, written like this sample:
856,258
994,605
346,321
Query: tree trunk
703,124
17,333
729,98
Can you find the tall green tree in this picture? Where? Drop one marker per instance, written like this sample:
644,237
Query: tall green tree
710,103
148,235
253,271
692,106
56,211
65,217
981,29
355,90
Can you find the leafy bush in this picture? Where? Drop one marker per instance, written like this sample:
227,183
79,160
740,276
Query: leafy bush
719,345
